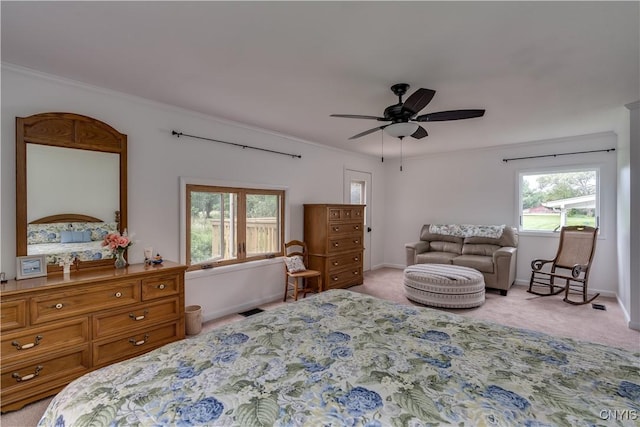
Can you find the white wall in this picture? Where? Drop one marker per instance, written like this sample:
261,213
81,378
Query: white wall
477,187
633,233
156,162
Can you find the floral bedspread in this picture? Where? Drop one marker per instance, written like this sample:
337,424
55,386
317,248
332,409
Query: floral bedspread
345,359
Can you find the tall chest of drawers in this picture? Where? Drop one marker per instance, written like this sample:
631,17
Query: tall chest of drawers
55,329
334,235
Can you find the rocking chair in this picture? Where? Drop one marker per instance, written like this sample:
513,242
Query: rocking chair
575,253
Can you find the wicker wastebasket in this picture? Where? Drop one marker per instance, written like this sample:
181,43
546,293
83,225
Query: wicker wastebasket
193,319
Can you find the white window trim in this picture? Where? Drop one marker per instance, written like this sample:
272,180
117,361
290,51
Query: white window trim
558,169
187,180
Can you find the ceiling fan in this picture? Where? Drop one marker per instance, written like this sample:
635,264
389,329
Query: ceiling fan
403,115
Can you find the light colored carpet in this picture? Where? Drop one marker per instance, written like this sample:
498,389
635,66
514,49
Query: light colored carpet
518,309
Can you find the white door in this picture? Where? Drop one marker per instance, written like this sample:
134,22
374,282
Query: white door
357,191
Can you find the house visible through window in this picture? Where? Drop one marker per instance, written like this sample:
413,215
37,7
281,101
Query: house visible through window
232,225
551,200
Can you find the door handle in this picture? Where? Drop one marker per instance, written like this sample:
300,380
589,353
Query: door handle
368,229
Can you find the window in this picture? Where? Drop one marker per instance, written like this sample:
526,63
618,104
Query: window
552,199
232,225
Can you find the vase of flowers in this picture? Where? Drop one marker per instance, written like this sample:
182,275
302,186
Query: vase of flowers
118,243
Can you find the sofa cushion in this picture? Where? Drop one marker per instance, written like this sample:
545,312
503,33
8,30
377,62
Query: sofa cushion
479,262
440,246
479,249
435,258
425,235
509,238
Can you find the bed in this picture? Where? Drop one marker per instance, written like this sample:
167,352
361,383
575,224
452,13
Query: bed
343,358
69,235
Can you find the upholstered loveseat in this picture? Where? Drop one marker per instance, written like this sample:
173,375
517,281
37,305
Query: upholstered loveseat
489,249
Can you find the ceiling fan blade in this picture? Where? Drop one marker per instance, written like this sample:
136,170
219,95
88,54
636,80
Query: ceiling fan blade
367,132
449,115
418,100
357,116
420,133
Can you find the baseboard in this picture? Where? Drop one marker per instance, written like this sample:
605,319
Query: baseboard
247,305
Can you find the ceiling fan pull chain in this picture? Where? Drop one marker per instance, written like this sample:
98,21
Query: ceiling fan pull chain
401,138
382,147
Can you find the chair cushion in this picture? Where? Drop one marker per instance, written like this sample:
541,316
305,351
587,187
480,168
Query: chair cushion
294,264
443,246
479,262
479,249
435,257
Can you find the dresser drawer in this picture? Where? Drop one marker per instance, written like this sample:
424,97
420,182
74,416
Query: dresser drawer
83,300
352,276
345,243
345,213
340,262
341,228
157,287
129,345
43,373
116,322
13,314
35,342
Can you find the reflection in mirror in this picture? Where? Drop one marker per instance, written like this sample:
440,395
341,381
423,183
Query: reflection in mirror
70,188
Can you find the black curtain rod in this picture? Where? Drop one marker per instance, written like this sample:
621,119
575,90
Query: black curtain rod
560,154
179,134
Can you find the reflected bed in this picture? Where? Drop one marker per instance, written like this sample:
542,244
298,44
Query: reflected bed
343,358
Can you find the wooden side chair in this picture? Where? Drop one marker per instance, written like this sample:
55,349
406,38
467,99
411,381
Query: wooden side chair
295,262
570,267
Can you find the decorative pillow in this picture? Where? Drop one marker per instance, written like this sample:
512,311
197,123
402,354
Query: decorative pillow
68,236
294,264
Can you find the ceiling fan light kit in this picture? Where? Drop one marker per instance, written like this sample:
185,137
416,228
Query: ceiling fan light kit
401,130
403,115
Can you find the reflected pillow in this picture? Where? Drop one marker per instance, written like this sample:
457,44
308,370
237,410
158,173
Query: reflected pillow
68,236
294,263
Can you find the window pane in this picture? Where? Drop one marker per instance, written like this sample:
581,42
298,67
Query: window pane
552,200
213,226
357,193
262,224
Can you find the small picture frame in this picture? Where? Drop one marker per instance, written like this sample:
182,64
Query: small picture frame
30,266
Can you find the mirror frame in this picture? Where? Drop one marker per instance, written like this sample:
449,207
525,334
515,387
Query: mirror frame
66,130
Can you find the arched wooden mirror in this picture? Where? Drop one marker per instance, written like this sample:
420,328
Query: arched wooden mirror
71,187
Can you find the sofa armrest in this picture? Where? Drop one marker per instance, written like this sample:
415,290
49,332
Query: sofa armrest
413,249
504,261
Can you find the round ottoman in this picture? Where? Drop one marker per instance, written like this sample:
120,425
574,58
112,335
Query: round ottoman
444,285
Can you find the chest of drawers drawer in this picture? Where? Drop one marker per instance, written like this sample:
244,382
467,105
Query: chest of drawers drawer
342,261
129,345
345,278
342,244
38,341
43,373
342,228
345,213
13,314
83,300
139,316
159,287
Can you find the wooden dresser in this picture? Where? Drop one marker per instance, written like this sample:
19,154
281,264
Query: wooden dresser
55,329
334,234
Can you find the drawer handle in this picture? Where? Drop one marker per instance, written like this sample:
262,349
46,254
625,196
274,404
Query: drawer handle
334,278
142,341
355,273
27,346
335,263
355,258
136,318
356,227
356,241
336,228
118,294
20,378
58,306
335,245
161,286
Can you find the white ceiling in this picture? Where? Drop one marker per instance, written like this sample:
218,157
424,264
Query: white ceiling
540,69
